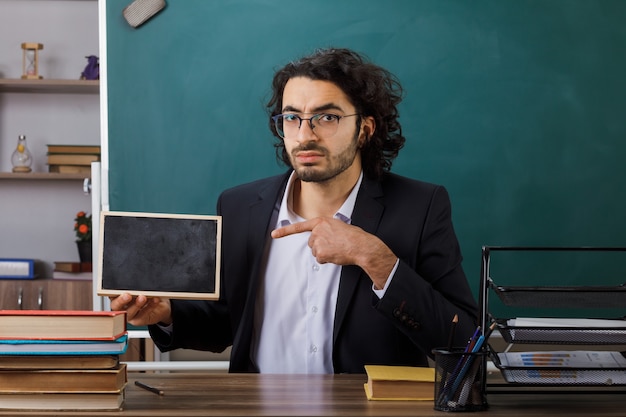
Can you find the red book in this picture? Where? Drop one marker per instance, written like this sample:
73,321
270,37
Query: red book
62,324
67,266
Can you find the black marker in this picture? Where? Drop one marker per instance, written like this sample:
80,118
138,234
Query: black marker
149,388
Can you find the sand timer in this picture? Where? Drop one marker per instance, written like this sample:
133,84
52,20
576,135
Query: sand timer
30,60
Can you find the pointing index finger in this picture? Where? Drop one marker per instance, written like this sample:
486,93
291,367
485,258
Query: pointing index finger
305,226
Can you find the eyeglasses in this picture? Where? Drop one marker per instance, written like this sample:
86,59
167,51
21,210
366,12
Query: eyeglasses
322,124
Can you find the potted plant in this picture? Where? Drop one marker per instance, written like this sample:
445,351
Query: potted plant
82,227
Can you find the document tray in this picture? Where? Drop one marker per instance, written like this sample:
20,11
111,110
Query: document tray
562,335
562,297
559,376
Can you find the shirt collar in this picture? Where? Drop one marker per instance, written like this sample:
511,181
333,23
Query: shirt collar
287,216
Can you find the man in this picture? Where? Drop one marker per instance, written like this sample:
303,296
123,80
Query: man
337,263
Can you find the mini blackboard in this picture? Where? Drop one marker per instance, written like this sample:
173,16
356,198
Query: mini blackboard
160,255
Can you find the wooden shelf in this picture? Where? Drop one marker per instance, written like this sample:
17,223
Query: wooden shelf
35,176
49,86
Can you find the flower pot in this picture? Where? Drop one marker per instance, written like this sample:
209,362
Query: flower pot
84,250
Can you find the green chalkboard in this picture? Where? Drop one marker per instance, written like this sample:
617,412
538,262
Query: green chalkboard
517,107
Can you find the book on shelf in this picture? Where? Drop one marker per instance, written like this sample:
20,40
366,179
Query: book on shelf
399,382
62,401
69,169
17,268
24,362
63,347
80,149
72,159
62,324
69,266
78,276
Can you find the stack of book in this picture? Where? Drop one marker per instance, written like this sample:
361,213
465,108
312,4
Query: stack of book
62,360
72,270
72,159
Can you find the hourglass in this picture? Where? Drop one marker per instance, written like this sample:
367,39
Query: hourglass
30,61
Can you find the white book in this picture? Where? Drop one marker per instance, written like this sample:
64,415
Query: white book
62,401
81,276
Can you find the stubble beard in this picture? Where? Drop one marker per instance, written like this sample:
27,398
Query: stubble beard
336,164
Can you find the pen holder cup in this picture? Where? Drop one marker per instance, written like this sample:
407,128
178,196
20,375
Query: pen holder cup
459,380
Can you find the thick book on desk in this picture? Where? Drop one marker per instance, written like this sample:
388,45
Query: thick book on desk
62,324
63,380
399,383
58,361
62,401
64,347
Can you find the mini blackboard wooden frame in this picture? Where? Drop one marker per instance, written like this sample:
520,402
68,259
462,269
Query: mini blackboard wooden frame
159,255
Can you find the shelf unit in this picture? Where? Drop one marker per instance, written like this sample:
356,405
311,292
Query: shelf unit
606,334
37,208
45,294
44,86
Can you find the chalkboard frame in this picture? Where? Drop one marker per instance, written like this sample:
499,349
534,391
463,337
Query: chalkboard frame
123,237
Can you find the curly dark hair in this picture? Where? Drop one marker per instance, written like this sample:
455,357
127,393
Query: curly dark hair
372,90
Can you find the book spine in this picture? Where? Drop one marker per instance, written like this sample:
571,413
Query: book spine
69,169
72,159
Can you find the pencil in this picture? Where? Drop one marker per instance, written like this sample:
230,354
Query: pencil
490,330
454,375
149,388
455,320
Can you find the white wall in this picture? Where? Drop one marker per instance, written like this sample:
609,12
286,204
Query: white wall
37,217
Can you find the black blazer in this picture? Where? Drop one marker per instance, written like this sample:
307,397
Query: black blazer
429,287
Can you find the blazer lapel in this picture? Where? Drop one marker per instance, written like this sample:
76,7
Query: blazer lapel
260,223
366,214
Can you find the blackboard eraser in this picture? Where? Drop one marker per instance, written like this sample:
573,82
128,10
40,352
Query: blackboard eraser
139,11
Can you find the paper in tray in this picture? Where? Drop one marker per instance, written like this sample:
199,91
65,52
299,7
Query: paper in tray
562,368
563,331
562,297
600,377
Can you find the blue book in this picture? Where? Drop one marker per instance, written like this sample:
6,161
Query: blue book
64,347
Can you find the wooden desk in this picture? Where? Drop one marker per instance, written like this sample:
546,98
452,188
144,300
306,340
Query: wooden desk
206,394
